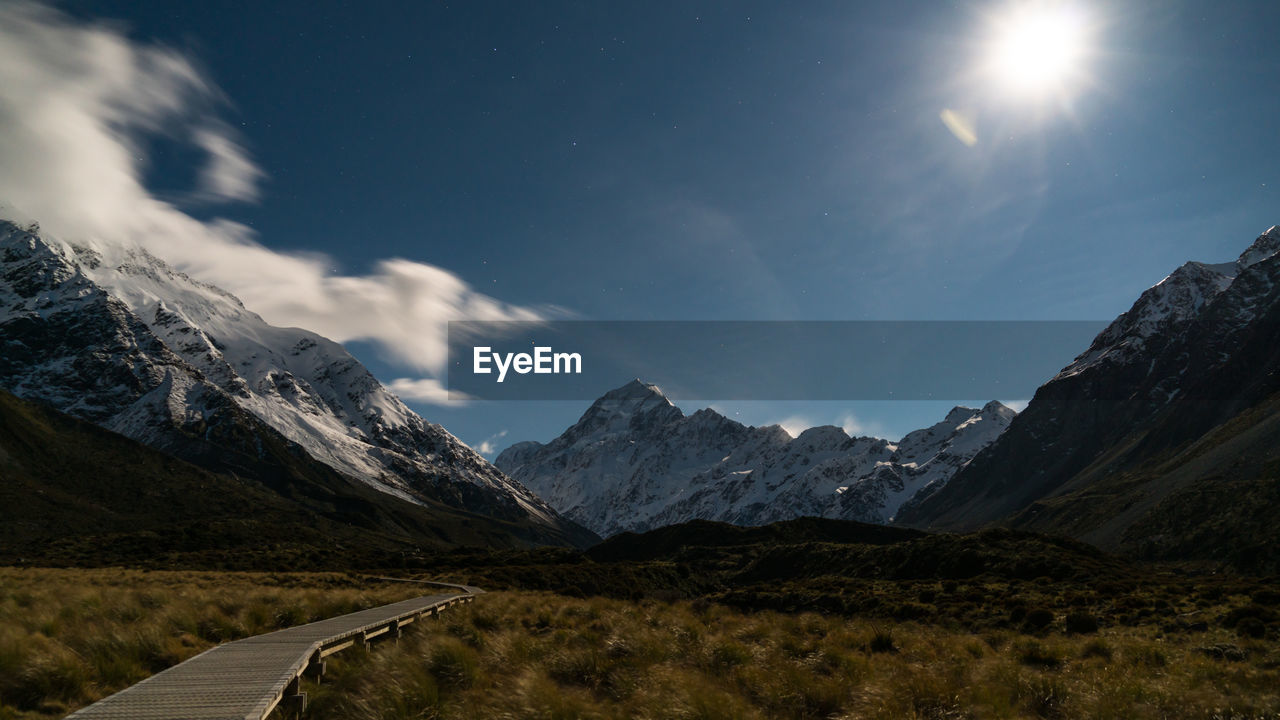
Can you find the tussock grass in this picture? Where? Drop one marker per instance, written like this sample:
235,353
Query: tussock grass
540,655
70,637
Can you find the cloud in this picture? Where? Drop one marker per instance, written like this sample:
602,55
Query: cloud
857,427
489,447
229,174
794,425
427,390
852,425
77,101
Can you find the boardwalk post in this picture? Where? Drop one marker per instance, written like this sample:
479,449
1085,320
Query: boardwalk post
315,667
294,700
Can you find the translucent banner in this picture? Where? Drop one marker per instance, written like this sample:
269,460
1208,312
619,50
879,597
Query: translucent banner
750,360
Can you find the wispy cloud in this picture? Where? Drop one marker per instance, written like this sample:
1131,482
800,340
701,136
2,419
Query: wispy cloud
489,447
794,425
427,390
78,99
851,424
229,173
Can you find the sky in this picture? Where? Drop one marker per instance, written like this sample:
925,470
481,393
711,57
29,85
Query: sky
369,170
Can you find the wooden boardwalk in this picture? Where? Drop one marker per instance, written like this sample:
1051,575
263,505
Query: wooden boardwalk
247,679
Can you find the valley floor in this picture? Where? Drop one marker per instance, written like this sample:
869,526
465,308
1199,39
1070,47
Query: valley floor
68,637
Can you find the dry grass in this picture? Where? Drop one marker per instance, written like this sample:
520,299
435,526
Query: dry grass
536,655
69,637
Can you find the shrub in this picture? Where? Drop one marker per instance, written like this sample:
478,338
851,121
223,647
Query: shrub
1042,697
729,654
1257,612
1251,627
1212,594
289,616
1096,649
882,641
1081,623
1223,651
1038,619
585,668
1147,656
912,611
1267,597
453,664
1037,654
57,676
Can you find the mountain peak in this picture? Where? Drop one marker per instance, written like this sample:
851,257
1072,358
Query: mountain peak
995,407
634,397
637,388
635,462
959,414
1267,244
618,409
828,437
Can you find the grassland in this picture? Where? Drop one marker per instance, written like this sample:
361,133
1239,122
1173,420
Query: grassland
538,655
978,648
69,637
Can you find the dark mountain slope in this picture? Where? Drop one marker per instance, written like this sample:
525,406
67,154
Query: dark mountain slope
72,492
1176,393
1213,500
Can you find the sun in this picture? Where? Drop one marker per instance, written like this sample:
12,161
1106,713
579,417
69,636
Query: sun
1038,49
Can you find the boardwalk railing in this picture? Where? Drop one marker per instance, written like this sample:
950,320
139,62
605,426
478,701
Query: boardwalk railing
247,679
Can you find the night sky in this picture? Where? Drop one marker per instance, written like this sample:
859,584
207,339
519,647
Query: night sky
739,160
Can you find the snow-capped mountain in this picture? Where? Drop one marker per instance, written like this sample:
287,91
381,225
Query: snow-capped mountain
118,337
635,461
1194,353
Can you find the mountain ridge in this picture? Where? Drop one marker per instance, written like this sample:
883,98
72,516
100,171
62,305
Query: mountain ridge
634,461
1193,366
117,337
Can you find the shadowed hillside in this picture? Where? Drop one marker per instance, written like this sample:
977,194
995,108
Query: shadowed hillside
74,493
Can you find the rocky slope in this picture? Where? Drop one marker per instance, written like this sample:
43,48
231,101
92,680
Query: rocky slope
117,337
634,461
1190,370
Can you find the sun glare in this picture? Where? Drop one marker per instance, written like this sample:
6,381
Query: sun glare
1038,49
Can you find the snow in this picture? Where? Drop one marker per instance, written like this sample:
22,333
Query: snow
304,386
1170,304
640,463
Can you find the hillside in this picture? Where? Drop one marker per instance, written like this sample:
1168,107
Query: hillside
115,336
75,493
1159,440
